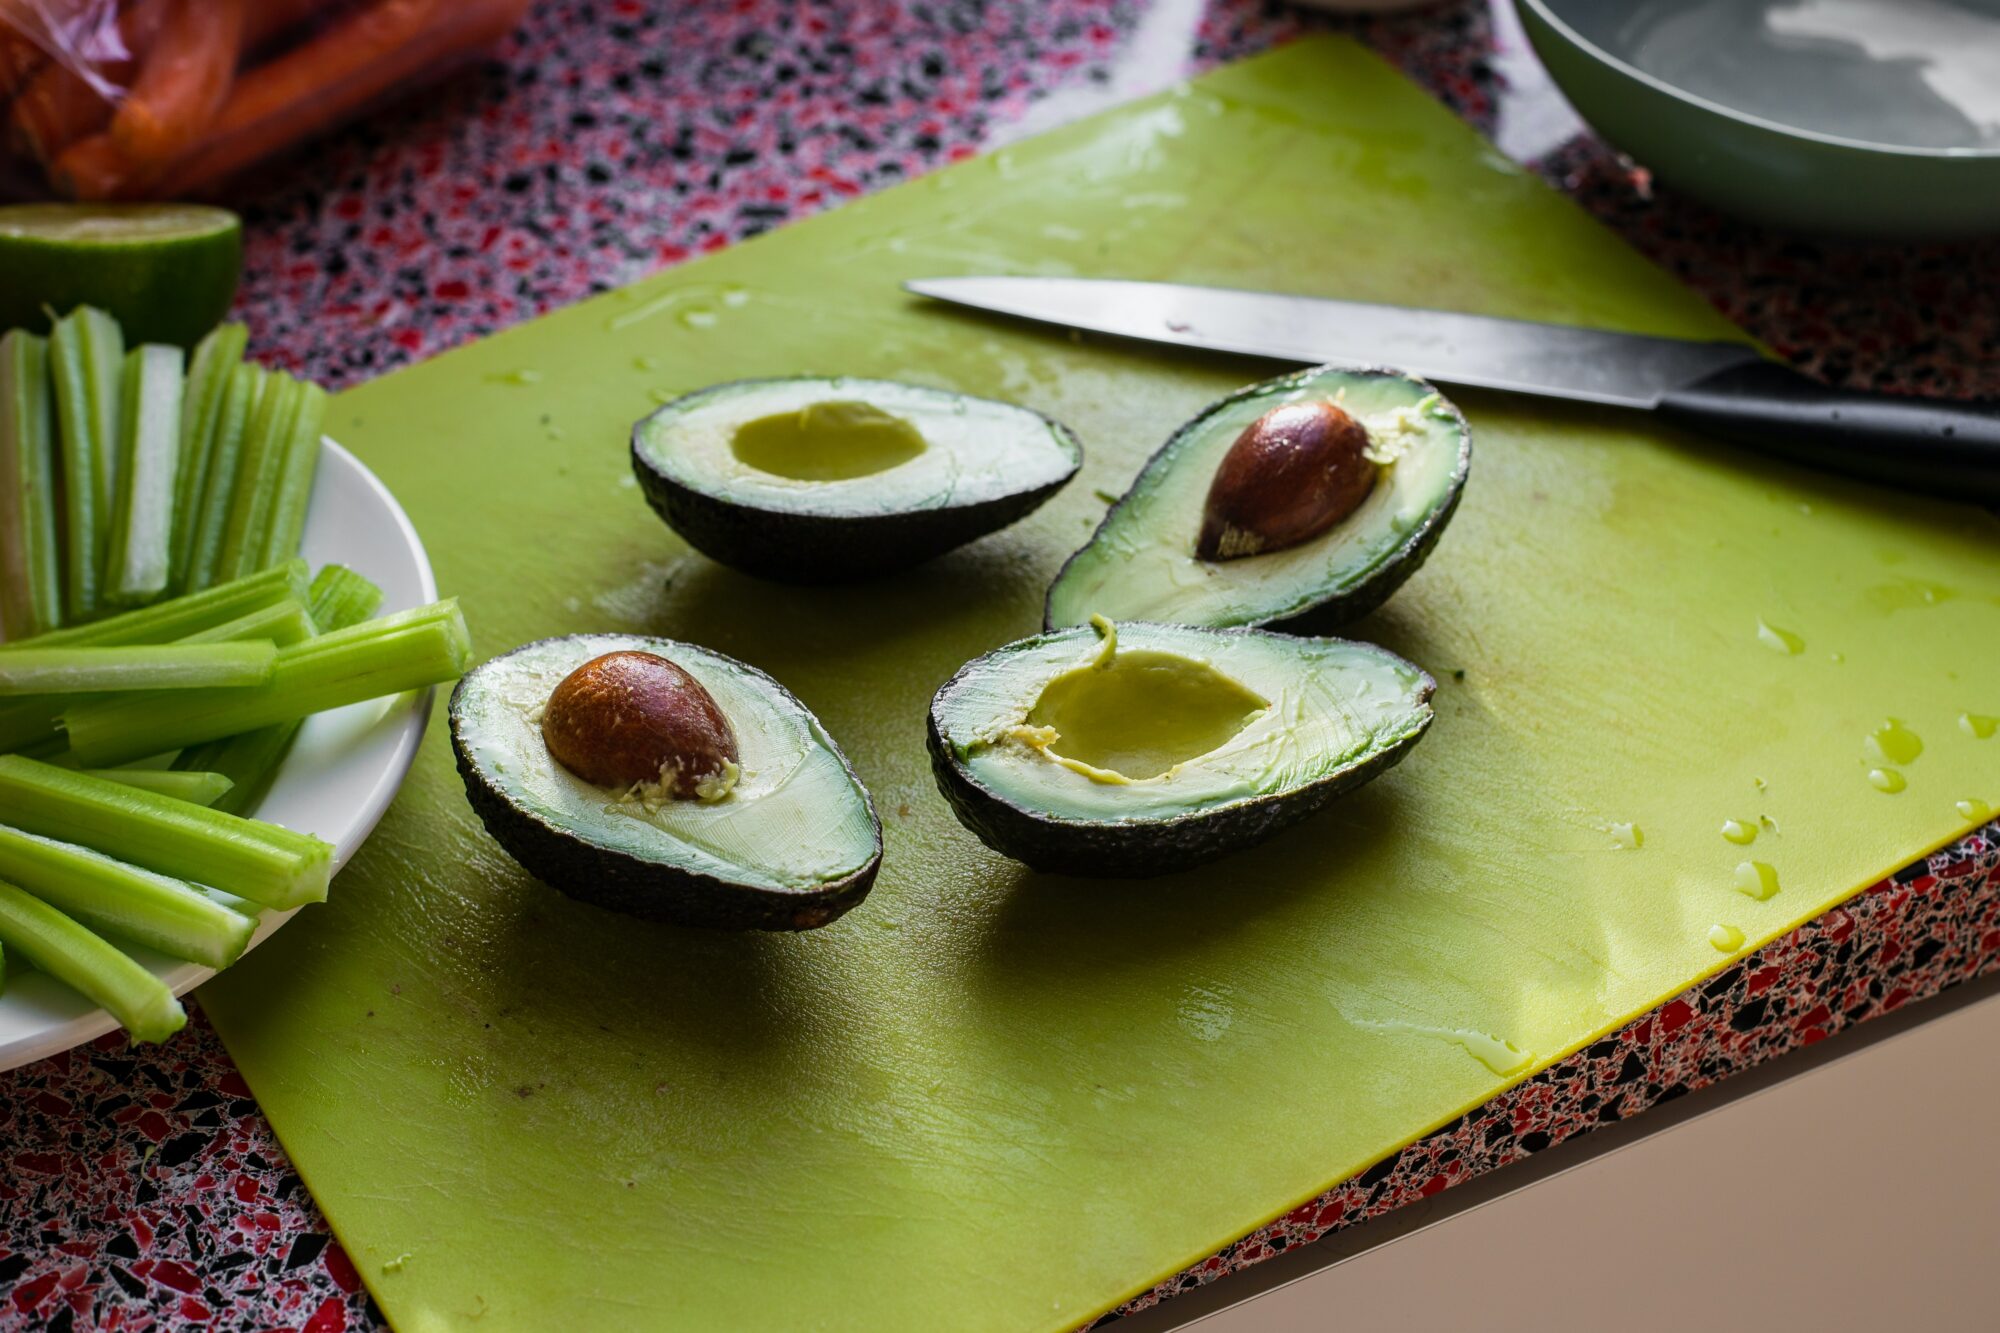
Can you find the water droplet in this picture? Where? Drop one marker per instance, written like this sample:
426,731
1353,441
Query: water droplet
1726,939
698,317
645,363
1761,784
1893,743
734,296
1626,837
1738,832
1755,879
1887,779
1978,725
1768,822
1836,658
1780,640
1500,1056
518,377
1972,808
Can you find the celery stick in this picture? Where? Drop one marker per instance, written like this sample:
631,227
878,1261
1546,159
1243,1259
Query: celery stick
264,446
215,360
295,482
249,761
177,618
73,955
340,597
244,399
284,624
386,656
141,550
193,785
166,666
85,353
30,558
124,901
265,863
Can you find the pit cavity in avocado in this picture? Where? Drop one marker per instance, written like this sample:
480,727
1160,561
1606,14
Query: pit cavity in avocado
1201,538
778,835
816,480
1139,749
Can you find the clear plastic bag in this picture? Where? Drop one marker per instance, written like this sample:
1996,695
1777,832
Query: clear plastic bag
151,99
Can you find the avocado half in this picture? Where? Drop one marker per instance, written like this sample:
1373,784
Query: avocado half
794,845
1139,749
1140,563
820,480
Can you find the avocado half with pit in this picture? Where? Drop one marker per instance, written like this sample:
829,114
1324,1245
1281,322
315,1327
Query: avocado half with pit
819,480
1302,501
664,780
1139,749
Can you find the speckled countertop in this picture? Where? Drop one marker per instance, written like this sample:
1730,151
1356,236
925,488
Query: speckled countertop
142,1188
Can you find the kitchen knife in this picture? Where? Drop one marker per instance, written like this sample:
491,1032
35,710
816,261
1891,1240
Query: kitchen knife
1721,388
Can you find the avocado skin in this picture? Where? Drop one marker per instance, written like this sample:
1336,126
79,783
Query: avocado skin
1340,608
653,890
817,548
1141,849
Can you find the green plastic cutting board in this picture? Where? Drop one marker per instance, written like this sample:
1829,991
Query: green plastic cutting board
994,1099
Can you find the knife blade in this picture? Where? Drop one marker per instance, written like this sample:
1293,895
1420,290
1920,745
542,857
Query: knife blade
1721,388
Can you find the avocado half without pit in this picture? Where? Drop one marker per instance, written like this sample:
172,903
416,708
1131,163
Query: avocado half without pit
1137,749
664,780
817,480
1302,501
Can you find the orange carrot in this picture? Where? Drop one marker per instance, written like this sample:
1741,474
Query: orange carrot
182,80
19,59
59,106
334,74
95,168
267,20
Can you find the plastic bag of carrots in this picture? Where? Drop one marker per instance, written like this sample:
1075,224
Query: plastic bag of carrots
152,99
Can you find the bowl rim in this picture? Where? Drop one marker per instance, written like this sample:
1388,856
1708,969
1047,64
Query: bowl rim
1544,11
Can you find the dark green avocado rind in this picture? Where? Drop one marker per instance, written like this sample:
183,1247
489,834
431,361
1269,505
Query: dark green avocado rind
1340,606
790,547
637,886
1142,849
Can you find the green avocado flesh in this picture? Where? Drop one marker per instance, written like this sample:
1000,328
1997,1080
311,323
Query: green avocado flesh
1149,722
796,818
851,448
1141,564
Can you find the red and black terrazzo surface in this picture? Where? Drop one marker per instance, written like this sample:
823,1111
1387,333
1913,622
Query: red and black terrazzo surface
143,1189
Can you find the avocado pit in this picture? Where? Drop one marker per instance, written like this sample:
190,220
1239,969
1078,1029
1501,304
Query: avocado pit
1292,474
629,718
836,440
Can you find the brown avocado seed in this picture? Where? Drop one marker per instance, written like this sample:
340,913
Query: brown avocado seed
1292,474
633,717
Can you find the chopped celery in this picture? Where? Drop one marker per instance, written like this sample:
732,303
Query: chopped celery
295,478
177,618
265,863
264,445
142,522
30,559
369,660
240,404
124,901
165,666
197,787
85,354
340,597
215,360
284,623
249,761
89,965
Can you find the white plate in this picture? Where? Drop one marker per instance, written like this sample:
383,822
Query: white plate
340,776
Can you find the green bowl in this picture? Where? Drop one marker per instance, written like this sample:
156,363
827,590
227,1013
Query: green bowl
1870,118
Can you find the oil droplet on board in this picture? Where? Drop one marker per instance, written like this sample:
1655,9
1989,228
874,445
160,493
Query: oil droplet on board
1886,780
1779,640
1973,808
1726,939
1500,1056
1626,837
1978,725
1893,743
1755,879
1738,832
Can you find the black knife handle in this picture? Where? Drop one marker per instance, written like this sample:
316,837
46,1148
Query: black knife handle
1920,444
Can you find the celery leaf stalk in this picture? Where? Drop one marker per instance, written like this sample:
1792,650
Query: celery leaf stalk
264,446
142,524
89,965
194,786
295,478
30,557
171,666
242,401
86,352
216,358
